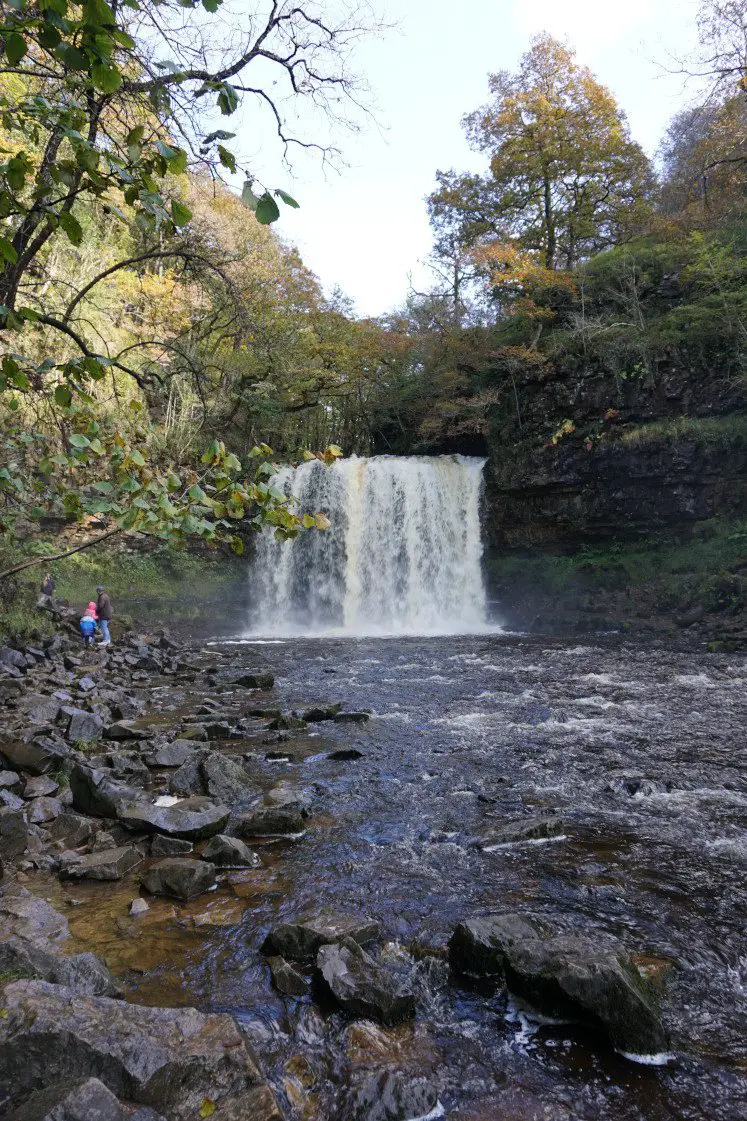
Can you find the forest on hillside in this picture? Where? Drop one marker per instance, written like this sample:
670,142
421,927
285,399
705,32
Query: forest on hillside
163,346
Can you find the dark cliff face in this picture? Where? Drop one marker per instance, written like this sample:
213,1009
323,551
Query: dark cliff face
580,461
644,454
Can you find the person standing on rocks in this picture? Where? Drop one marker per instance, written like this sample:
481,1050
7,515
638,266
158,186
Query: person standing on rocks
48,585
104,613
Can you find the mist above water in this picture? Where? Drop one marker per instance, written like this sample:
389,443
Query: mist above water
403,555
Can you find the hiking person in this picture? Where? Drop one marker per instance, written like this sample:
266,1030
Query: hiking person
104,613
48,585
88,624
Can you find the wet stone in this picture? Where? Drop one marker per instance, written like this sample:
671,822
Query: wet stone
171,1059
172,754
84,973
286,979
527,829
13,833
74,829
387,1095
41,786
108,864
362,986
269,821
162,845
209,773
320,713
88,1100
95,792
180,878
301,940
564,976
230,852
193,819
253,681
29,917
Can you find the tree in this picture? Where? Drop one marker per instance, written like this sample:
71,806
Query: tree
103,109
565,178
703,155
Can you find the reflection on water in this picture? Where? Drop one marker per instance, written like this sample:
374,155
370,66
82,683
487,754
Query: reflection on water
641,751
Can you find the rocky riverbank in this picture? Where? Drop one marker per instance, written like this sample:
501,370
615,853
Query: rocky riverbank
140,773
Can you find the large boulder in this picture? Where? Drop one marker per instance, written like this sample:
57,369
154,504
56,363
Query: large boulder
108,864
42,710
216,776
173,1059
84,973
14,833
74,829
362,986
94,792
229,852
87,1100
253,681
161,845
386,1095
301,939
564,976
35,755
193,819
127,730
10,657
179,877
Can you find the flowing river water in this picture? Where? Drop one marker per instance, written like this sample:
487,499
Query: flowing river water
640,748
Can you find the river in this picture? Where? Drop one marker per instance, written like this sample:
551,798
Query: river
641,750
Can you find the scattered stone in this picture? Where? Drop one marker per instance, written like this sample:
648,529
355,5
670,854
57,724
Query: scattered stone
194,732
13,833
128,767
84,973
38,755
13,658
170,1058
29,917
41,786
74,829
84,1101
44,710
351,717
286,724
263,681
85,727
94,792
208,773
11,780
527,829
161,845
181,878
301,940
286,979
320,713
362,986
172,754
565,976
127,730
42,810
107,864
138,907
193,819
387,1095
230,852
345,754
269,821
11,801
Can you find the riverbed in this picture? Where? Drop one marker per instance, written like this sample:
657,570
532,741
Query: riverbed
640,749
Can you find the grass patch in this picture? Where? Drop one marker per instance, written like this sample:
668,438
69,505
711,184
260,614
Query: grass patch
727,432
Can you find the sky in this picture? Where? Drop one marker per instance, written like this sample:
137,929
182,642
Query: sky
364,228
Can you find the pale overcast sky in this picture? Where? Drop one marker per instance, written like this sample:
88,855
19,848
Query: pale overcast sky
366,228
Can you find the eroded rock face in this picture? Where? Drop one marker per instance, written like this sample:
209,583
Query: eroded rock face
193,819
168,1058
565,976
362,986
179,877
301,940
387,1095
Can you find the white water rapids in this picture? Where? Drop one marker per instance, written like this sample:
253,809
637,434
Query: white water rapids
403,554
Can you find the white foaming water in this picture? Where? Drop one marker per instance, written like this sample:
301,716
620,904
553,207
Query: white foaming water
403,555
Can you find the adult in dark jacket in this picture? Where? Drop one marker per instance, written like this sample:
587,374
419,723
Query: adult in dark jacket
104,613
48,585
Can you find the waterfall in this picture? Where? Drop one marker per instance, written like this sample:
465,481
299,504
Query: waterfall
403,553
